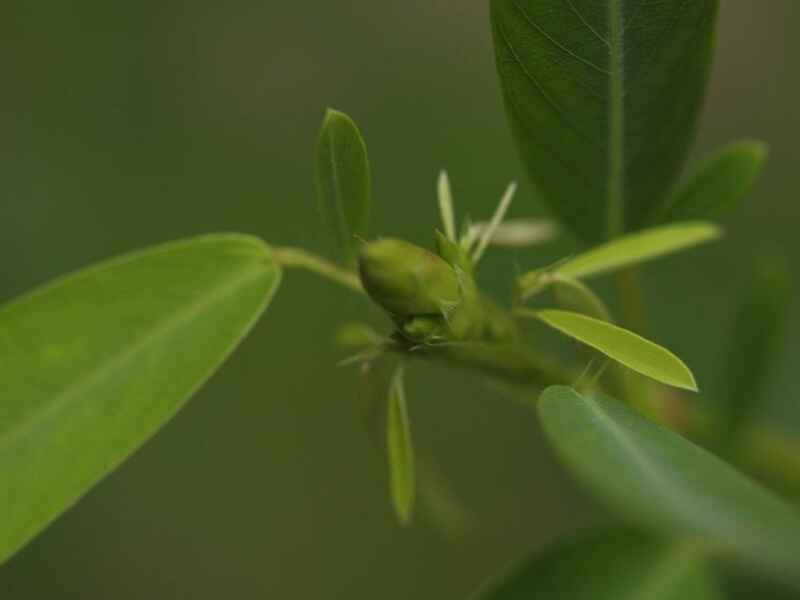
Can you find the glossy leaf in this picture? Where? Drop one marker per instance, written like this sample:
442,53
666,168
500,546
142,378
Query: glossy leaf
401,452
661,480
627,348
719,184
637,248
621,565
603,98
343,181
95,362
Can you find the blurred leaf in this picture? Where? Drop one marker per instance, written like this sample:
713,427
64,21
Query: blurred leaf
401,452
637,248
719,184
659,479
94,363
603,98
343,181
518,233
620,565
572,295
752,348
627,348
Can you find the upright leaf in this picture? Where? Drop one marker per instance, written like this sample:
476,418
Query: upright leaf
719,183
603,98
661,480
751,349
343,181
94,363
627,348
619,565
401,452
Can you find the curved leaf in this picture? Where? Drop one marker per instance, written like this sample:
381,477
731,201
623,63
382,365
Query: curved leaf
343,181
95,362
401,452
621,565
658,478
719,184
603,98
627,348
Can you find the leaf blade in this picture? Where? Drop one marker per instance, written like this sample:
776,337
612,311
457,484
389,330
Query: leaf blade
627,348
658,479
343,181
114,351
602,99
637,248
402,479
654,570
718,184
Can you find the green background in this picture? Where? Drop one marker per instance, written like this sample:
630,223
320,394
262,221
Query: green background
126,124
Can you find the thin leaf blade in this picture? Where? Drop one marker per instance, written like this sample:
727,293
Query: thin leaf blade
718,184
656,478
626,347
96,362
590,569
402,479
343,181
637,248
603,98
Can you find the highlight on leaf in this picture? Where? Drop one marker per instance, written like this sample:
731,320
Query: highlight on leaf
343,182
518,233
625,347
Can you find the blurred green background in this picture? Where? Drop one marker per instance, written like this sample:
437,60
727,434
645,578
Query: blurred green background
126,124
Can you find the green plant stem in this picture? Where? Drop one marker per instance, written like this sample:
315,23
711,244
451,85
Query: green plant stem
298,258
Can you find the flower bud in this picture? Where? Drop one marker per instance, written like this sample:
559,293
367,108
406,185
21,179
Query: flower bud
407,280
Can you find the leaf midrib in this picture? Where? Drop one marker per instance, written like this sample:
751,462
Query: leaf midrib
127,355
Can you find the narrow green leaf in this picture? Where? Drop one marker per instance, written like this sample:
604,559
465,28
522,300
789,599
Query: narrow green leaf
627,348
518,233
603,98
619,565
343,181
401,452
751,348
636,248
659,479
572,295
719,184
94,363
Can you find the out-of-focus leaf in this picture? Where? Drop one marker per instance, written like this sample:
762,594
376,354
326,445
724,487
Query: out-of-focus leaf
603,98
95,362
627,348
661,480
518,233
401,452
343,181
719,184
637,248
620,565
751,349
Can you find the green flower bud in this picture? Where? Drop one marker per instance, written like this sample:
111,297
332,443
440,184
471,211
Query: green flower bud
407,280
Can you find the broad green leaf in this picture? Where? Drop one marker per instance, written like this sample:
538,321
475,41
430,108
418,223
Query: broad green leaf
719,184
627,348
401,452
661,480
751,348
95,362
620,565
343,181
637,248
603,98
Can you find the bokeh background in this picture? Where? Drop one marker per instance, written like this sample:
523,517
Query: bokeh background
129,123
